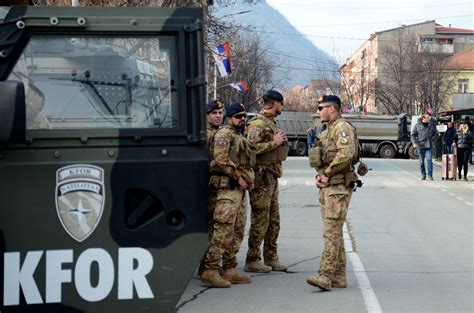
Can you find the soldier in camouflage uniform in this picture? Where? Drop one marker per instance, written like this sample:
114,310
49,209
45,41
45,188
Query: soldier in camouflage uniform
214,117
335,179
231,176
265,218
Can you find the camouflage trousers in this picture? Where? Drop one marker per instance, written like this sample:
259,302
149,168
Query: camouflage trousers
211,205
265,217
334,202
226,231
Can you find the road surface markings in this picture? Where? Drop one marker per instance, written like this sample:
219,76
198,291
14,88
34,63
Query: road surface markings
370,299
295,182
455,196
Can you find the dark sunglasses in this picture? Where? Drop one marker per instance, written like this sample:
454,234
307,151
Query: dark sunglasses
239,116
322,107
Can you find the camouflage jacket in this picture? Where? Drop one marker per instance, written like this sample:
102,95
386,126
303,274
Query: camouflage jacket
262,136
226,141
211,130
339,147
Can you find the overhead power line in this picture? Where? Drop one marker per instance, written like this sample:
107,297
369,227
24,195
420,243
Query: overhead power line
367,7
370,23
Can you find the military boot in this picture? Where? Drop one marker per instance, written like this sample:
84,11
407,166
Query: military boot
201,269
257,267
339,281
212,277
232,276
276,266
322,282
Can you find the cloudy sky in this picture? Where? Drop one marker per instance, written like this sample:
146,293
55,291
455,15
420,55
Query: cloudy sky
339,27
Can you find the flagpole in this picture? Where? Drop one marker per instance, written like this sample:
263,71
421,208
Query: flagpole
215,81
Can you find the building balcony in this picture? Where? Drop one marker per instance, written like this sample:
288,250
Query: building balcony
463,101
436,48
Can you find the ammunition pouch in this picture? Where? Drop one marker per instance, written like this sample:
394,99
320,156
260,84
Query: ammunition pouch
330,154
241,158
274,156
316,157
347,179
337,179
222,182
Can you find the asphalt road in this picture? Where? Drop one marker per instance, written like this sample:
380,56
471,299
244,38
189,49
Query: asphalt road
410,247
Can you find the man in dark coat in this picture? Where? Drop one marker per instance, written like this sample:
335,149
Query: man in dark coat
449,138
422,139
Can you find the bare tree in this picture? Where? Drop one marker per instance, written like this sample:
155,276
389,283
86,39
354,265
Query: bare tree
435,84
410,80
357,85
299,99
250,64
397,76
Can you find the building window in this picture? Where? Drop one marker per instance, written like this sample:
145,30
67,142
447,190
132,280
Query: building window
445,41
463,85
426,41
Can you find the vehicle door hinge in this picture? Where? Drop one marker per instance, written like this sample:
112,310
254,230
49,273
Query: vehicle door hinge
196,81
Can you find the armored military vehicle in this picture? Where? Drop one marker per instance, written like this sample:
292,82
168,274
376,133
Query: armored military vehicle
103,160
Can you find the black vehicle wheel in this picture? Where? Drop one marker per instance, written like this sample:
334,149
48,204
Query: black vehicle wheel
387,152
412,152
301,148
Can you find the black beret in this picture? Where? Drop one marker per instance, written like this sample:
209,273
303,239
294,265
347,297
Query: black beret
234,108
330,99
273,94
213,105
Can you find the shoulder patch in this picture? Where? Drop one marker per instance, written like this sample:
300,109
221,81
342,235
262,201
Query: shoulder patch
253,134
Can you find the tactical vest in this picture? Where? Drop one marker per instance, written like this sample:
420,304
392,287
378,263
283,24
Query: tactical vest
274,156
237,155
330,152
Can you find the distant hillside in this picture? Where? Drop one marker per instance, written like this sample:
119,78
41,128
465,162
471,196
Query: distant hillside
298,60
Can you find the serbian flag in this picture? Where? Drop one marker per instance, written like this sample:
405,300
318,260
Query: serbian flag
365,109
222,58
240,86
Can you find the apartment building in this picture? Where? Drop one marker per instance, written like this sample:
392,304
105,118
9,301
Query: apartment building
388,58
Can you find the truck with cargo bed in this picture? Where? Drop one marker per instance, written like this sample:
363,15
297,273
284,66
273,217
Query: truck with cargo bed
382,135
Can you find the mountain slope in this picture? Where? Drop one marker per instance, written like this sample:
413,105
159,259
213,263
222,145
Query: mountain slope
297,59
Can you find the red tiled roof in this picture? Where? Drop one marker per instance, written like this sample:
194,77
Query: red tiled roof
461,61
444,29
